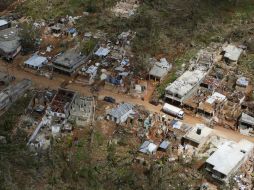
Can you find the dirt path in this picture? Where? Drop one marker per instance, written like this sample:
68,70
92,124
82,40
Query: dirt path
42,82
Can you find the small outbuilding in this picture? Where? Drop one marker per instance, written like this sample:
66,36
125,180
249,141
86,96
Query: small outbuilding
197,136
121,113
160,69
36,62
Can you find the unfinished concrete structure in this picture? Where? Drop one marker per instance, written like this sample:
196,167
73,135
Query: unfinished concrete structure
9,43
12,93
228,158
82,110
61,103
69,62
197,136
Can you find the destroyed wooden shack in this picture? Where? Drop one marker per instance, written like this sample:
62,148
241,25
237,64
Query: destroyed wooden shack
61,103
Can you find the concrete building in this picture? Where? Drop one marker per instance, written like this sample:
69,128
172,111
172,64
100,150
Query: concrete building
69,62
184,86
228,158
12,93
159,70
61,103
197,136
36,61
82,110
121,113
9,43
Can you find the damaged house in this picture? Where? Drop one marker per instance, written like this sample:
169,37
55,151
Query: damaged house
159,70
9,43
61,103
228,158
69,62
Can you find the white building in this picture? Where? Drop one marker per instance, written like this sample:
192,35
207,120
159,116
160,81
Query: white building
228,158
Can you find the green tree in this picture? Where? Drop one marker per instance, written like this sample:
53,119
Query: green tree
29,38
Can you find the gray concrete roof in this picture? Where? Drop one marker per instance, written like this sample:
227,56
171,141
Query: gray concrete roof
70,60
229,155
9,40
186,82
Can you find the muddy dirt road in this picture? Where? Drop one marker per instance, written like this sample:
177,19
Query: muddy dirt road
42,82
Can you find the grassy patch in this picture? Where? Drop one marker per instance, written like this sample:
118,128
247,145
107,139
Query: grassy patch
10,118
